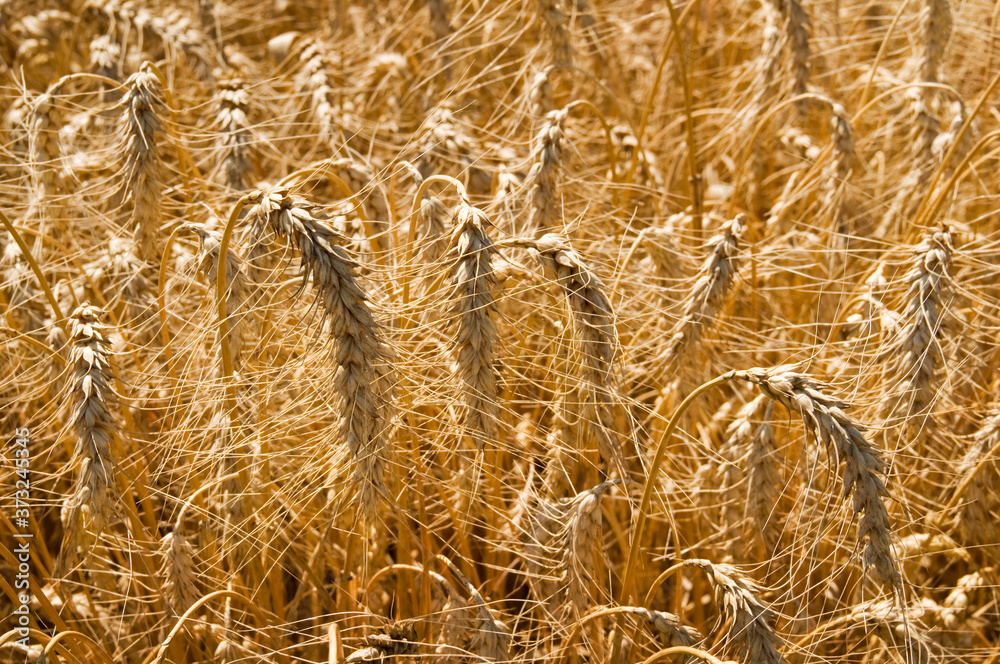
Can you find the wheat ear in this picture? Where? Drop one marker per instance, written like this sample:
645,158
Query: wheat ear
555,16
141,128
750,462
975,493
234,138
935,26
593,322
473,305
916,354
710,291
178,572
582,550
545,211
492,638
863,465
750,619
91,505
360,352
208,264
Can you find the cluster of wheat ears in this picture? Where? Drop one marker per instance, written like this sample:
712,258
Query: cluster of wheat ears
529,331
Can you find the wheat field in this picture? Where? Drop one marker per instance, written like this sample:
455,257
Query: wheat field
482,331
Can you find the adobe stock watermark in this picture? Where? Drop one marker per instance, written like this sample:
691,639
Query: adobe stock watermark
22,536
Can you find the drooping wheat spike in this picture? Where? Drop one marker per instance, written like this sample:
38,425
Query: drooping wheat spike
209,245
473,306
141,130
750,629
978,475
594,328
177,569
863,464
545,211
396,640
935,26
897,624
555,16
360,380
91,505
710,291
235,137
916,354
432,230
582,549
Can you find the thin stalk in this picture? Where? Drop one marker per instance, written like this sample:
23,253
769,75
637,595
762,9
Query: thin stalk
627,580
33,264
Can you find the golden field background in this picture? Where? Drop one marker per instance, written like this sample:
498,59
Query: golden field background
552,331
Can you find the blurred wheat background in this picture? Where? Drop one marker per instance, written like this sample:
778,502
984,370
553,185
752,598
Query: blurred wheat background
529,331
